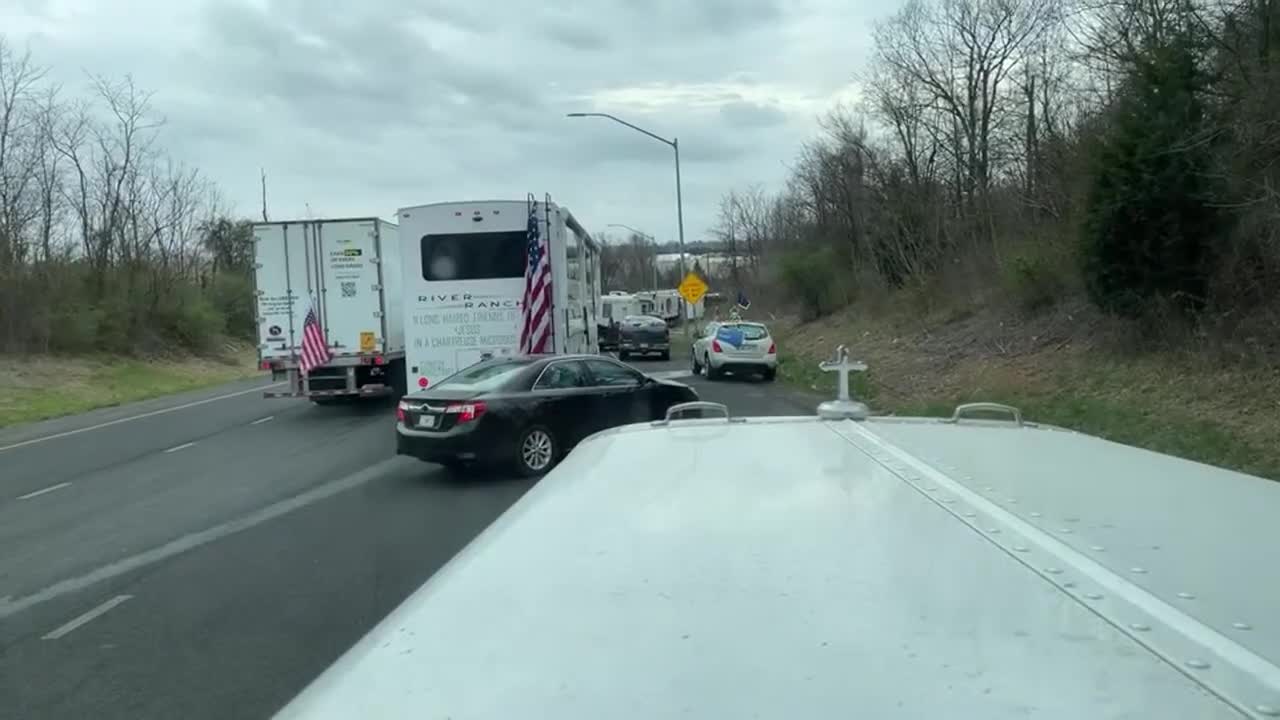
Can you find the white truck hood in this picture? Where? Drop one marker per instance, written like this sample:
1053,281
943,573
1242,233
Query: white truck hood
796,568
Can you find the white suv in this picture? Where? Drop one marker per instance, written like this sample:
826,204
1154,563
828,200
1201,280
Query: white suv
737,347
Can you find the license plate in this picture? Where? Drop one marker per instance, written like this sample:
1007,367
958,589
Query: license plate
427,421
749,346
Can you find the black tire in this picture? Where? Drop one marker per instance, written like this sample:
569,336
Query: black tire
770,374
712,372
533,456
399,381
325,400
693,357
666,354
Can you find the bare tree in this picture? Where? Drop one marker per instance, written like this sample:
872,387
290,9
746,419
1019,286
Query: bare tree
960,55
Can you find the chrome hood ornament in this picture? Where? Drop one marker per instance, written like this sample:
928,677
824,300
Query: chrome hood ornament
843,407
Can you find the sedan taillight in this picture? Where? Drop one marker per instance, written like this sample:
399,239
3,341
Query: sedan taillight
715,346
400,409
466,412
773,348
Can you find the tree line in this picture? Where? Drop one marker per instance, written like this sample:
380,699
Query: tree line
108,243
1033,150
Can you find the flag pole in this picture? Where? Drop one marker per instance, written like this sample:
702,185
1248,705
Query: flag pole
546,214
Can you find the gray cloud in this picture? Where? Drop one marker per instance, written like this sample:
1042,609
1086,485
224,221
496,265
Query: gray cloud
362,107
742,114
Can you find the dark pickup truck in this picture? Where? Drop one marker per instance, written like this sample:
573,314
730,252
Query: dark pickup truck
643,335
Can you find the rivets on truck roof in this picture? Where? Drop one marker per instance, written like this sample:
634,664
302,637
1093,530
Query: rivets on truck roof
994,530
1053,570
1241,626
969,514
1139,627
1266,710
1093,596
1138,570
1020,548
1035,514
1186,596
1097,548
1197,664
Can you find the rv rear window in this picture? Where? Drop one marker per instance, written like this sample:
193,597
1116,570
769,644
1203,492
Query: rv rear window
473,256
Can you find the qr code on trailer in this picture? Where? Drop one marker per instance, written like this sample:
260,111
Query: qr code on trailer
348,289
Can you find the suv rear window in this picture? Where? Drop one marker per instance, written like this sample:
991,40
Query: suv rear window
474,256
749,331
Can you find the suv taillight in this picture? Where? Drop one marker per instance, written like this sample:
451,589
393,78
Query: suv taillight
466,412
715,346
773,348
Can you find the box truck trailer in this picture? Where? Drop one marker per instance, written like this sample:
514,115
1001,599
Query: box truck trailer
346,271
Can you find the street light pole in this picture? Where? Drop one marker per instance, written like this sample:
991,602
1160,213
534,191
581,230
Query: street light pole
675,146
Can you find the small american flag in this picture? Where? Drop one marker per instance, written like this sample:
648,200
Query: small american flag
535,335
314,351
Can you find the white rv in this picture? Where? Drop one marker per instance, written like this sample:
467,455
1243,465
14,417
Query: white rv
464,277
665,304
614,307
348,271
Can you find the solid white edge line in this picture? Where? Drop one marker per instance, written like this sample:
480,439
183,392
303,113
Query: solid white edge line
176,448
131,418
102,609
259,421
49,489
9,606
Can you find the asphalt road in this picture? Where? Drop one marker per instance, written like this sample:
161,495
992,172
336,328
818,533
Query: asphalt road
207,555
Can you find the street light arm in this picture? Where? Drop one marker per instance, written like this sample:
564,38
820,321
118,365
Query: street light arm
645,235
620,121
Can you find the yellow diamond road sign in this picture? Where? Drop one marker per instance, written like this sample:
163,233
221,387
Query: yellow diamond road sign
692,288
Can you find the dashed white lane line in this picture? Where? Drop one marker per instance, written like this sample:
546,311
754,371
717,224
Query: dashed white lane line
176,448
10,605
131,418
49,489
259,421
88,617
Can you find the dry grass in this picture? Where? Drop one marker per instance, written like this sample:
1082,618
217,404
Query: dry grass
39,387
1065,367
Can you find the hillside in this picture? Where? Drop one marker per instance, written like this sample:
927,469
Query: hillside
1067,367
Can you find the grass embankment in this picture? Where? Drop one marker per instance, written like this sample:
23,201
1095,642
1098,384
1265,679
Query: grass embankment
36,387
1064,368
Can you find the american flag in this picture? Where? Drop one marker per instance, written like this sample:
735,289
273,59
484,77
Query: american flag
535,335
314,351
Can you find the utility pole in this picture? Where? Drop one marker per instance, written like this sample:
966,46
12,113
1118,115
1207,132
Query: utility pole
264,195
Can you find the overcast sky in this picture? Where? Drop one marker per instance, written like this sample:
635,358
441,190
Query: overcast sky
361,107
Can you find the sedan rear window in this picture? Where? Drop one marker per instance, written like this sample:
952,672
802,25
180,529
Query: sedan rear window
482,376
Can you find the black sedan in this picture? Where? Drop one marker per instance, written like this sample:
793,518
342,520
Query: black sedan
527,412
